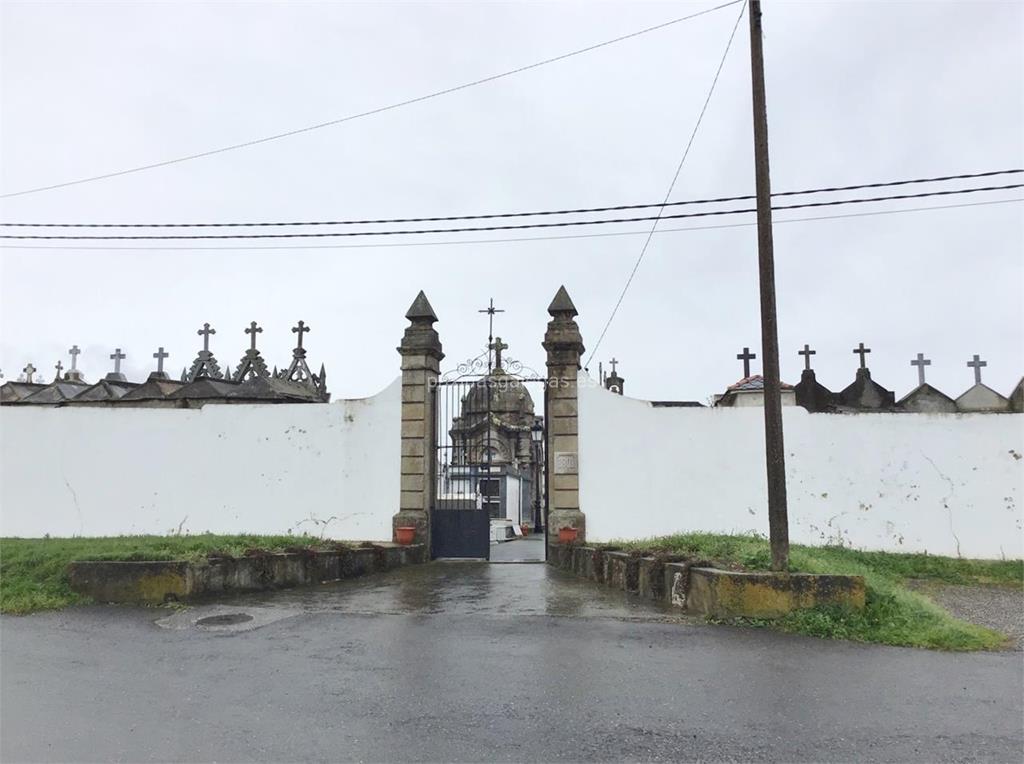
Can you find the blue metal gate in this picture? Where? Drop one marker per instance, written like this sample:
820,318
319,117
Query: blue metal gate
460,533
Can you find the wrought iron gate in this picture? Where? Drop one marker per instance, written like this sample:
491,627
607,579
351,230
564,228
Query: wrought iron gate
489,463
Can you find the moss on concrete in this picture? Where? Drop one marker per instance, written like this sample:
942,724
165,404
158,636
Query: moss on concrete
33,572
892,614
730,594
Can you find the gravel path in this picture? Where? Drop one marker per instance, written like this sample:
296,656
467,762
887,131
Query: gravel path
998,607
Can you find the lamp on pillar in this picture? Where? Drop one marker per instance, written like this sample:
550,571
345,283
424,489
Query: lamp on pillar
537,440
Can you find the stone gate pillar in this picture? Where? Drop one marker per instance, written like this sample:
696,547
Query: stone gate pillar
564,346
421,358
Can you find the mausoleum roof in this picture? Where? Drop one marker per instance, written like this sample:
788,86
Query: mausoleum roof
205,381
753,383
508,396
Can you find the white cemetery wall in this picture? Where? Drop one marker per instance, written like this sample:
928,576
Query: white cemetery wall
948,484
330,469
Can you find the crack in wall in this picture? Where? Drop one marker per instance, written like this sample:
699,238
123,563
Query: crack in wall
74,498
322,524
945,502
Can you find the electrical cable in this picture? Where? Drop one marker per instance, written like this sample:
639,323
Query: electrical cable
582,210
505,240
525,226
371,112
671,186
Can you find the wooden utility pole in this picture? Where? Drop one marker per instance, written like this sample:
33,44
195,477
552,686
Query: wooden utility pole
775,455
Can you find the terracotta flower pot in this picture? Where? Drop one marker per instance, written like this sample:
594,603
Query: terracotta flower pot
525,528
567,535
405,534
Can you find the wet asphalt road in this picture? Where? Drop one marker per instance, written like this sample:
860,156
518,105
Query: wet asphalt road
527,549
474,662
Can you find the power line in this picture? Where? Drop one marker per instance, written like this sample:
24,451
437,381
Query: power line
505,240
671,186
538,213
523,226
371,112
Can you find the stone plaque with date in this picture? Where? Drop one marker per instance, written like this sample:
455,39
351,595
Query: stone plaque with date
566,463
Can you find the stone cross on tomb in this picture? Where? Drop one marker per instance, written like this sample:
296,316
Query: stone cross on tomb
205,333
300,330
614,362
977,364
807,353
254,330
252,365
160,355
29,371
862,351
117,356
74,357
59,367
920,362
205,365
746,356
497,346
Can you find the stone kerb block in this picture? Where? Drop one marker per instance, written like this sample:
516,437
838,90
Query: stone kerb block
255,573
563,556
596,568
676,577
620,571
650,582
324,566
162,581
614,564
149,582
583,561
359,562
727,594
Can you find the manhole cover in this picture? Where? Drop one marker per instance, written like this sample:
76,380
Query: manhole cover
227,619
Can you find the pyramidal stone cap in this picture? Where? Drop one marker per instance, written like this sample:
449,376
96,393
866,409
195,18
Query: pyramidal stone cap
562,304
421,310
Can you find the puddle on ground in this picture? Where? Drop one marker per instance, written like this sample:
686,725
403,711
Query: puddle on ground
224,618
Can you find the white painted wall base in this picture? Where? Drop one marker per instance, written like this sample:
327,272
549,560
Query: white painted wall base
948,484
330,469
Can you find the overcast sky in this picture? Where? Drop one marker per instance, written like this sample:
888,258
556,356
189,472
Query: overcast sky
857,92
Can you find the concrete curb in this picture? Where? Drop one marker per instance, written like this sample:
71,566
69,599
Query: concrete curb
173,580
699,587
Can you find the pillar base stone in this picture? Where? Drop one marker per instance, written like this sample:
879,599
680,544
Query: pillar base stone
567,518
413,518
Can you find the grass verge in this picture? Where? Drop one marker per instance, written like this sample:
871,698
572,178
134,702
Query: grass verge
32,571
893,615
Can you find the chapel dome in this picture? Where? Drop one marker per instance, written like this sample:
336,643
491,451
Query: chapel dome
510,400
